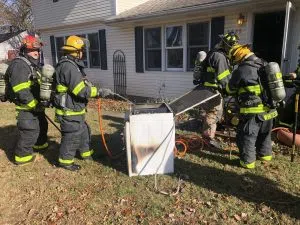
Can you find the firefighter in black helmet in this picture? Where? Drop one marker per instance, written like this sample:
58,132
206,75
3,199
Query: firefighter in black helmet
215,75
72,93
256,118
23,89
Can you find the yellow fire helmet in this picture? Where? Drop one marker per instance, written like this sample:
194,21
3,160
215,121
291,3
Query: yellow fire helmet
238,52
75,43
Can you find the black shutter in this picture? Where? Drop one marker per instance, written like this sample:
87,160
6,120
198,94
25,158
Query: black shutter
217,28
103,50
139,50
53,53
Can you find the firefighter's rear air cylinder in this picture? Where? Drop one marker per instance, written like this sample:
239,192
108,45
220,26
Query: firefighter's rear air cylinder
46,82
275,82
3,68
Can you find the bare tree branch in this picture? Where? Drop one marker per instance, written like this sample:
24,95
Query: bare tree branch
16,13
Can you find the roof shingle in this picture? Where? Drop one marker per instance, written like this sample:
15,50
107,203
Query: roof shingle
162,6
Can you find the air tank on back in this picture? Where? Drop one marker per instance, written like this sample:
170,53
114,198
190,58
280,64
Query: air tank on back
275,82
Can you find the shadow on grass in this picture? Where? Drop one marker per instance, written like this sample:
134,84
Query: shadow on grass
9,138
247,187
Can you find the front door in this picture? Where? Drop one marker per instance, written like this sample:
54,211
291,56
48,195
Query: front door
268,35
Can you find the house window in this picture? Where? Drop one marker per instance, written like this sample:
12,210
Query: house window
59,43
153,48
198,40
94,50
174,47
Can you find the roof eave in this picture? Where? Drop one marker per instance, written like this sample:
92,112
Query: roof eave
114,19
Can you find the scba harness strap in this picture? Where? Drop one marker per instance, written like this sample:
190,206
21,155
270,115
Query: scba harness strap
260,65
34,75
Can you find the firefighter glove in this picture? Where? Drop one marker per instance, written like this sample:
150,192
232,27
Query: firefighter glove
104,92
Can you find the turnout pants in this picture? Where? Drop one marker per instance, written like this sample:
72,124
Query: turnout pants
76,135
33,128
254,139
210,119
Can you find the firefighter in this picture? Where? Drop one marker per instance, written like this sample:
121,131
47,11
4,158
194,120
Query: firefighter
216,71
292,83
256,118
23,90
72,93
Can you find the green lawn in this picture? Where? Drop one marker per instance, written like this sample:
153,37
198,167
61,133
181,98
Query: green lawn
215,189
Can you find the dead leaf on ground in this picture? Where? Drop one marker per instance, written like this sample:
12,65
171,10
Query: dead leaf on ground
265,209
171,215
126,212
244,216
224,216
208,204
237,217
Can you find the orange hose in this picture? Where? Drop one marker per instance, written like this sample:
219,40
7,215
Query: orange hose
178,153
280,128
101,128
189,142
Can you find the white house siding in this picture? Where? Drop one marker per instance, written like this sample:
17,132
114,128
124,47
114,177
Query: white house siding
103,77
10,44
295,39
49,14
156,84
123,5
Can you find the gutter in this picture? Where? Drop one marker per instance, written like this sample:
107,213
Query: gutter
88,22
169,12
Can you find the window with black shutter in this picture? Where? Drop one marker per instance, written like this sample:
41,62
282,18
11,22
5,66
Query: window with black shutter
139,50
103,49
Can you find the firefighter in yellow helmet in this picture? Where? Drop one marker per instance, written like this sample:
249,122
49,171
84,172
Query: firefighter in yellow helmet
72,93
255,122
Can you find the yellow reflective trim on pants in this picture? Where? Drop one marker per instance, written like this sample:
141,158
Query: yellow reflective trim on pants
266,158
78,88
269,116
258,109
207,84
66,161
255,88
87,154
61,88
221,76
69,113
22,86
93,92
39,147
247,166
228,90
210,69
23,159
29,106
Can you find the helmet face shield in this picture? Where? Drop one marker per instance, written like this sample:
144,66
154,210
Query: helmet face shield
228,40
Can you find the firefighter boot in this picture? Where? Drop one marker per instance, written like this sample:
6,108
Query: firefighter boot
72,167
